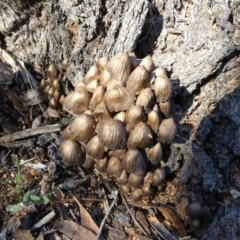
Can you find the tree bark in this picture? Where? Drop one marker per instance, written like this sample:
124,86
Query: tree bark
197,42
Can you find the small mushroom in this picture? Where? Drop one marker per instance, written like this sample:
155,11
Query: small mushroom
88,162
118,98
135,181
125,189
83,127
134,116
101,112
147,63
114,167
119,67
154,153
91,75
136,194
97,97
167,130
77,102
134,162
194,209
123,178
101,165
95,148
154,120
158,177
141,136
102,62
146,99
52,72
104,78
163,88
165,108
138,79
111,133
121,116
71,152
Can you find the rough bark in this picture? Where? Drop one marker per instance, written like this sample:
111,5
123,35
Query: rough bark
198,42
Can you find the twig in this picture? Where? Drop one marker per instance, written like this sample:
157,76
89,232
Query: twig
29,133
107,214
44,220
134,219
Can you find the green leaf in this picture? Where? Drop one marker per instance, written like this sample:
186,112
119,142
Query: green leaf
17,189
35,198
44,200
26,198
19,178
14,208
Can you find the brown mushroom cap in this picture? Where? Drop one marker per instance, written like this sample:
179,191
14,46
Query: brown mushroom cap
118,98
114,167
134,162
71,152
83,127
111,133
119,67
95,148
77,102
141,136
167,130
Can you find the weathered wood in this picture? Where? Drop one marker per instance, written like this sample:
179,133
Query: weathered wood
29,133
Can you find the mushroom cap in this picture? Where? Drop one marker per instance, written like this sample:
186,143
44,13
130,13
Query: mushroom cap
167,130
154,153
95,148
114,167
154,120
118,98
119,67
77,102
194,209
162,88
111,133
146,99
138,79
91,75
83,127
71,152
134,116
134,162
147,62
158,177
141,136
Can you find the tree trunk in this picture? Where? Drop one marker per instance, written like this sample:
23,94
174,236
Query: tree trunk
197,42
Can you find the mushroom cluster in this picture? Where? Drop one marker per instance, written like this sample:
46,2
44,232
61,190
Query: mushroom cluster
121,108
52,87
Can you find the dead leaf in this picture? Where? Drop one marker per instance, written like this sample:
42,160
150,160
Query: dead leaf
13,224
181,207
15,99
74,230
176,223
30,208
50,112
86,219
23,235
35,96
160,228
37,122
